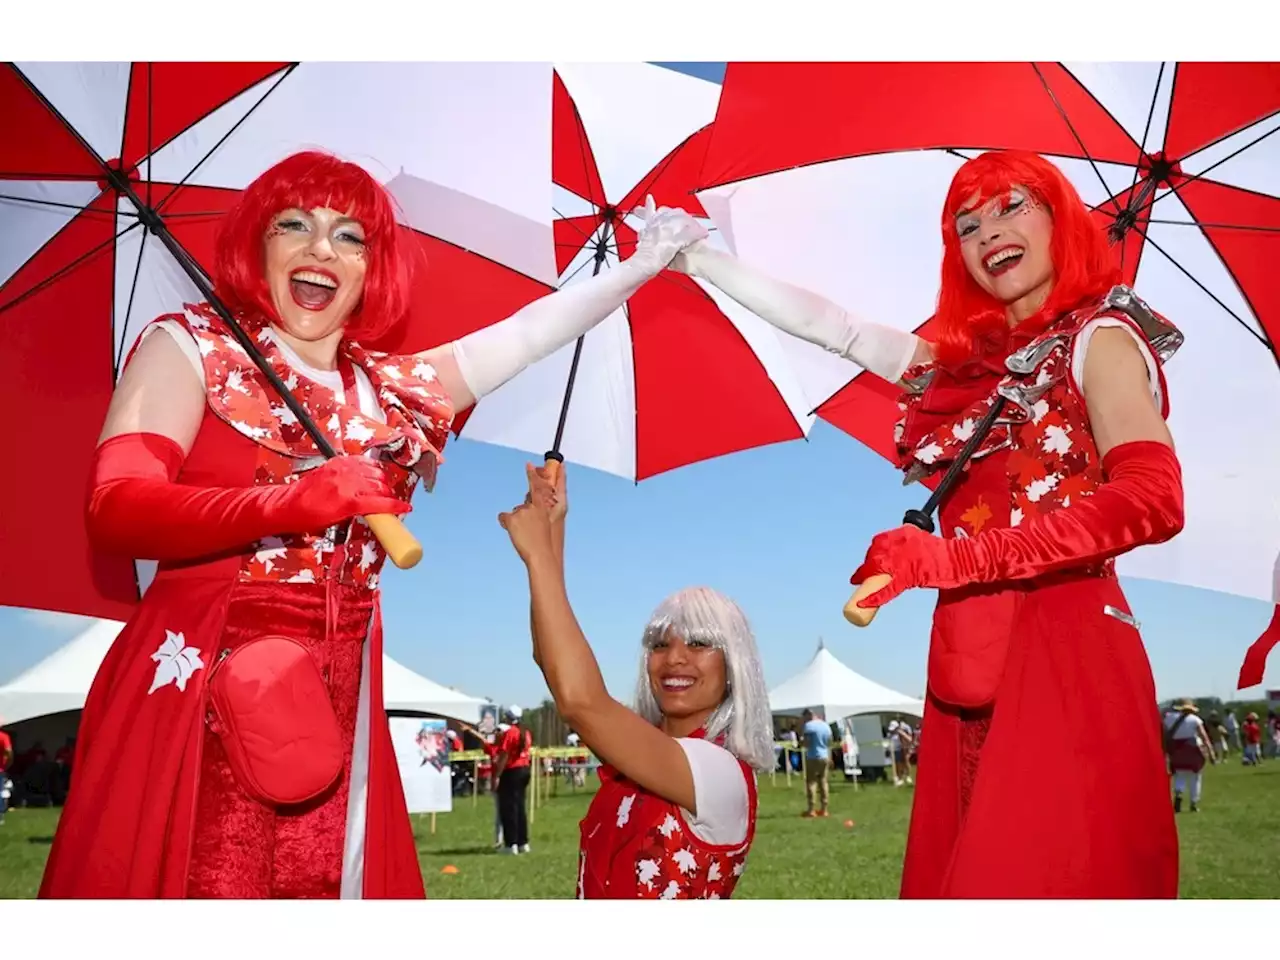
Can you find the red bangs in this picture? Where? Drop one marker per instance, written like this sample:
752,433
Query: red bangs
308,180
1084,264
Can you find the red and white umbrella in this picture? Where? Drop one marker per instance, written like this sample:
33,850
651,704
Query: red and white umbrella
679,374
832,176
92,150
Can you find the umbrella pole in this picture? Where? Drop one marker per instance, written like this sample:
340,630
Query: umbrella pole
862,616
553,457
401,546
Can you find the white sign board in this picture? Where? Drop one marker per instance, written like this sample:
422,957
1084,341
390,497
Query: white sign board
422,755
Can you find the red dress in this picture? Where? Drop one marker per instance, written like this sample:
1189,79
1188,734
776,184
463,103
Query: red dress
637,846
156,812
1043,775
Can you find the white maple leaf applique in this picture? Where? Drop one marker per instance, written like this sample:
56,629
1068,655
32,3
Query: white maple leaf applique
358,430
424,371
685,860
929,453
714,873
284,415
671,892
739,867
624,809
235,381
1056,440
334,424
1037,489
233,344
391,371
669,826
270,549
646,871
964,430
175,662
1038,410
368,554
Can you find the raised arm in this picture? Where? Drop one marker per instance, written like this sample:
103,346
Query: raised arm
886,351
614,732
479,363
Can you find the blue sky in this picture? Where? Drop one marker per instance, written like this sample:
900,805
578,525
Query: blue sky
778,528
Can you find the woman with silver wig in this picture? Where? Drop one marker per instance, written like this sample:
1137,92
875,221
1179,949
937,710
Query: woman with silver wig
675,814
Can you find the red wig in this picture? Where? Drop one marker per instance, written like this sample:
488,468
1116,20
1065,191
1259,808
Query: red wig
308,180
969,320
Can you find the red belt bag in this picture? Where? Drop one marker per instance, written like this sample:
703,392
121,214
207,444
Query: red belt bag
270,706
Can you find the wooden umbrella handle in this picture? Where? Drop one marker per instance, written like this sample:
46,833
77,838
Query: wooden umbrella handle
862,616
401,545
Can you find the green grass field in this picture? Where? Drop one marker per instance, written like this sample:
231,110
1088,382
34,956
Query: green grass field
1229,850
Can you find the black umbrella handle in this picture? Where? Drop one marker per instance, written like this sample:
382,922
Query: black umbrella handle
923,518
553,458
861,616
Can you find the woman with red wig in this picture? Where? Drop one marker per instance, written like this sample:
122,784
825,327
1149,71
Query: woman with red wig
234,742
1043,775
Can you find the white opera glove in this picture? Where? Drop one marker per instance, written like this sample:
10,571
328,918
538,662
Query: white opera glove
490,357
885,351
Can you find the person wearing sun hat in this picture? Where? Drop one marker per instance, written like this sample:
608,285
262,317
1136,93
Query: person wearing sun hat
1187,745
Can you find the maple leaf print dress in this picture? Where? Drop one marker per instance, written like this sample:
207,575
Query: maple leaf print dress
1043,772
157,811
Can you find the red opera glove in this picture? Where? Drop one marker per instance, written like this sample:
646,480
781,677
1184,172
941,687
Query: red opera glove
137,509
1140,502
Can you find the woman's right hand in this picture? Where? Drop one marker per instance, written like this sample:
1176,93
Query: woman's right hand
667,231
550,492
337,490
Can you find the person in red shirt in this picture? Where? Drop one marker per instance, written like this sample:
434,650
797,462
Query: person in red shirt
1252,734
675,814
511,772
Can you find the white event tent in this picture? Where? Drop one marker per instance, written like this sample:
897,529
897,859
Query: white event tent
60,682
828,686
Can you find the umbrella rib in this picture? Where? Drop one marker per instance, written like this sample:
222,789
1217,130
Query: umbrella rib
1215,226
1044,82
151,87
584,152
56,203
58,274
128,311
569,221
223,139
1142,147
582,266
1190,177
1261,338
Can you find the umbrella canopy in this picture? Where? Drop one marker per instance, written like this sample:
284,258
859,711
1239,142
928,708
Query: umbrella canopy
832,176
110,153
680,373
61,682
828,685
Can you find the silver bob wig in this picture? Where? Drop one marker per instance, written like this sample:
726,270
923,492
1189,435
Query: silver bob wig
700,614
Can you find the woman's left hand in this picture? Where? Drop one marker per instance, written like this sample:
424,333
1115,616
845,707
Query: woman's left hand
529,524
